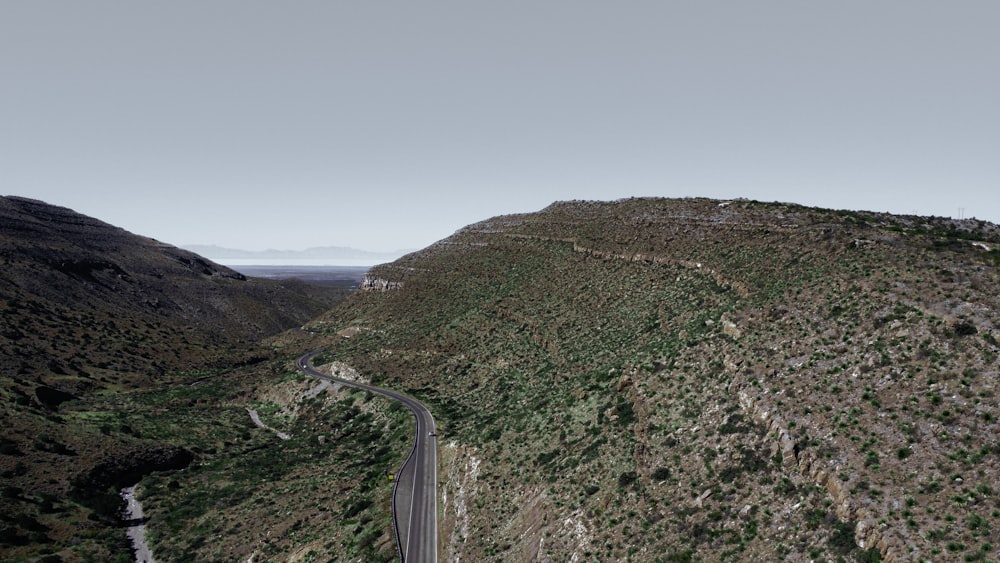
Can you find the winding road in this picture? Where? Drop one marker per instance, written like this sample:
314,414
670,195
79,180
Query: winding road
414,495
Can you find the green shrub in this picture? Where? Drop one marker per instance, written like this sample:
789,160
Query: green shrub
627,478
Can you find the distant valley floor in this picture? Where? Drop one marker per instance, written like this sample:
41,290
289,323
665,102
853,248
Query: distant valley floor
347,276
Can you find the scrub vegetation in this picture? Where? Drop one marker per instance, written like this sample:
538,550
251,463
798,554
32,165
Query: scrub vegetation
123,357
700,380
648,380
255,495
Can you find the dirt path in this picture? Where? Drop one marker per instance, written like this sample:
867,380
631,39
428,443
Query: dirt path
256,420
137,529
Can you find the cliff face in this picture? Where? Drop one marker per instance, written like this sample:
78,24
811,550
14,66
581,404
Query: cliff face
700,379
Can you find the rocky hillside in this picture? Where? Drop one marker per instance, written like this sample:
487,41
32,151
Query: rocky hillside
67,280
675,380
88,311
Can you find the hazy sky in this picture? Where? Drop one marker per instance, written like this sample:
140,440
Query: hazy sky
385,125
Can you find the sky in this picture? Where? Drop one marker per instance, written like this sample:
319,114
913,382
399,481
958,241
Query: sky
387,125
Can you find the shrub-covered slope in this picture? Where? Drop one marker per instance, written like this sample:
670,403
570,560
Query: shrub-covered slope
84,301
693,379
88,314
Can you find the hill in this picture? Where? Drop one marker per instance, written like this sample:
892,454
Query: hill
673,380
90,313
67,274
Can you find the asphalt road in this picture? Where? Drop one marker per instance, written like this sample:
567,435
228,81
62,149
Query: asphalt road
414,497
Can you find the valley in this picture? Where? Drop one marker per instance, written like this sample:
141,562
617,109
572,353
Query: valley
645,379
124,360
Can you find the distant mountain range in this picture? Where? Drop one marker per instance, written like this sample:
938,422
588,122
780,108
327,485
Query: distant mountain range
326,255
